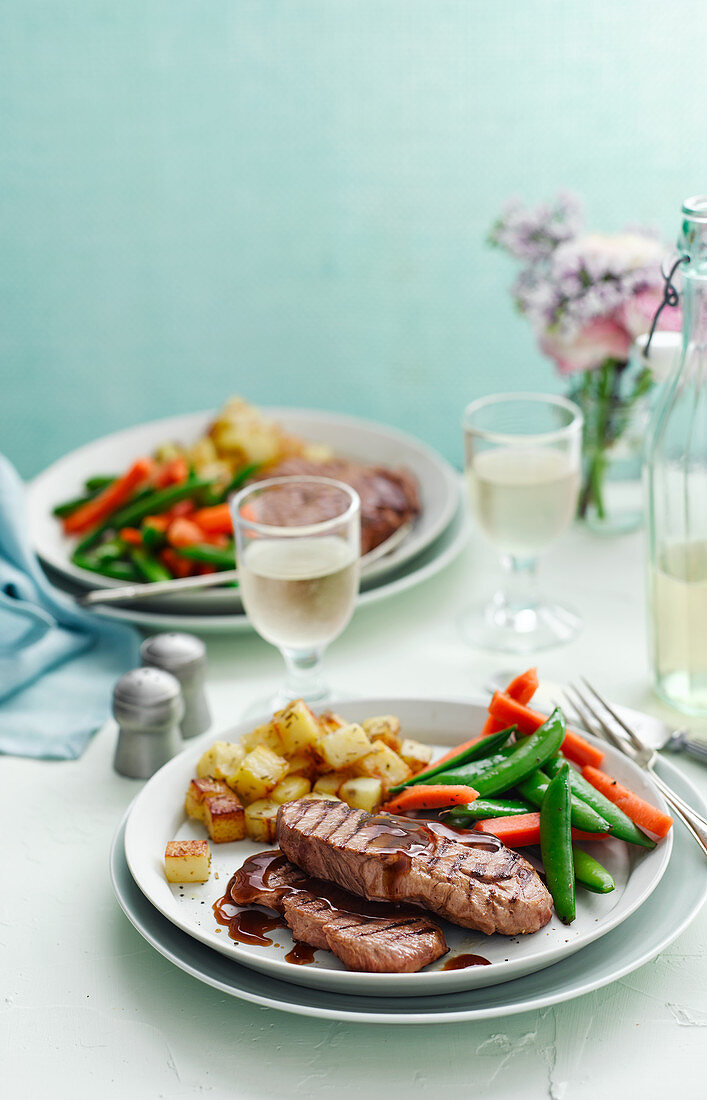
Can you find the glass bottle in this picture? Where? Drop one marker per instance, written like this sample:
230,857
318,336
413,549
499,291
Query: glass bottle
676,469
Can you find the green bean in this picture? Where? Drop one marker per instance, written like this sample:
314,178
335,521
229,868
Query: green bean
117,520
460,816
149,568
533,788
530,753
118,570
155,502
95,484
69,506
221,557
110,550
556,844
152,537
479,751
620,825
590,873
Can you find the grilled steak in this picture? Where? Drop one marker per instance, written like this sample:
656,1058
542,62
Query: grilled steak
479,884
364,935
389,498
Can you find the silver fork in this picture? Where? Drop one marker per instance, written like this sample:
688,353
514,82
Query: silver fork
631,745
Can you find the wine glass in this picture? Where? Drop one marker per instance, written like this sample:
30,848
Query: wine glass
523,467
298,545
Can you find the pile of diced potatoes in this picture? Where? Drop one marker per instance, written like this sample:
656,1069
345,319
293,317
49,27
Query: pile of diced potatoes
239,786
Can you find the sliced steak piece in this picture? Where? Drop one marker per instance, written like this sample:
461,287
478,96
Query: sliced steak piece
389,498
364,935
478,884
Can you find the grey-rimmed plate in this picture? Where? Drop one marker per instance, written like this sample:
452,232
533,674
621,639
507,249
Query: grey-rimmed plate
665,915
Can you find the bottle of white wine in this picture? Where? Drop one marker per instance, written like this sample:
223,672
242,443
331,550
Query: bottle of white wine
676,480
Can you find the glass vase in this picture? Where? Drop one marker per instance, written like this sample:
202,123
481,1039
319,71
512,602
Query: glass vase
616,402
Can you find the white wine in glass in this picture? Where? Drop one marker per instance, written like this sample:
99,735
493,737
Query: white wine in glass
298,545
523,462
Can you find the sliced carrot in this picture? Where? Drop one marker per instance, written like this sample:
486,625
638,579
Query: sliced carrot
431,798
216,520
173,472
178,566
114,496
184,532
575,748
641,812
181,508
522,830
523,688
158,523
131,535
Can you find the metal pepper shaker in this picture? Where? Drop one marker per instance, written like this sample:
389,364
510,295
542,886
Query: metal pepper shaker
148,707
184,656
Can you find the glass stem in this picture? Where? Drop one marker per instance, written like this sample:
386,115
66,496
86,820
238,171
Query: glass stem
304,674
520,588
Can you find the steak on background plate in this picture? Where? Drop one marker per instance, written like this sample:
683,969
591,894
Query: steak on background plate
389,498
364,935
478,884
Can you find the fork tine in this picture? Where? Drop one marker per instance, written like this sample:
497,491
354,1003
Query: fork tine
605,731
635,741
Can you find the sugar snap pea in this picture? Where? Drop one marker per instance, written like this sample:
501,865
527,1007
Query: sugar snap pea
510,766
479,751
620,825
556,844
118,570
590,873
461,816
533,788
101,481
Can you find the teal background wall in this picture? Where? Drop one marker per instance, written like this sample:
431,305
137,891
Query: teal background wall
289,198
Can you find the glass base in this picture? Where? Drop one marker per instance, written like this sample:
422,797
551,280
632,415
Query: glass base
266,706
505,629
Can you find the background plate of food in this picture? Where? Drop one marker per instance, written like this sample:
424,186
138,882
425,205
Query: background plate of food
150,502
158,817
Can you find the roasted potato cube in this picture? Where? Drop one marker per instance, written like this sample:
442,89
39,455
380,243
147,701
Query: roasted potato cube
329,783
342,747
298,727
187,861
221,760
200,789
301,764
362,793
264,735
416,755
224,818
385,728
260,819
329,720
261,770
384,764
290,788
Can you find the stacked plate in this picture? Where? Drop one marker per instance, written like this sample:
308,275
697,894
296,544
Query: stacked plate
437,537
657,894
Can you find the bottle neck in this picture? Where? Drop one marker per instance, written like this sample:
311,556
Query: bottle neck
694,307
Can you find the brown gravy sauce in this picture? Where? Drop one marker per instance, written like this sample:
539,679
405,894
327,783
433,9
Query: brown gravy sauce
460,962
301,954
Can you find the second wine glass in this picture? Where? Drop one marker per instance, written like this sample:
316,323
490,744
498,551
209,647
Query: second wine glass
298,545
523,462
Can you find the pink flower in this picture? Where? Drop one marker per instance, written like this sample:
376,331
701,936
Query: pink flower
603,338
638,312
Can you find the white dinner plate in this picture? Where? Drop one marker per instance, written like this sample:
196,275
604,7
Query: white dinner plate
158,816
436,557
673,905
348,436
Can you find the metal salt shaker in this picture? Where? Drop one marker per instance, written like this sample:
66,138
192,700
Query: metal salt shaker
184,656
148,707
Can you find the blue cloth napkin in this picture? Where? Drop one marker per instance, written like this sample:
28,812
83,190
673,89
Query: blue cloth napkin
58,663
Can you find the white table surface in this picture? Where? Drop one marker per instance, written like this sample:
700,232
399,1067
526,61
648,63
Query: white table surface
88,1008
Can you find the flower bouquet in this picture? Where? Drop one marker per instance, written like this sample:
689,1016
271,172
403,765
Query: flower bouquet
587,297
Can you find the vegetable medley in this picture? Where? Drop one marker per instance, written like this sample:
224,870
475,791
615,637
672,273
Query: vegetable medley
167,516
